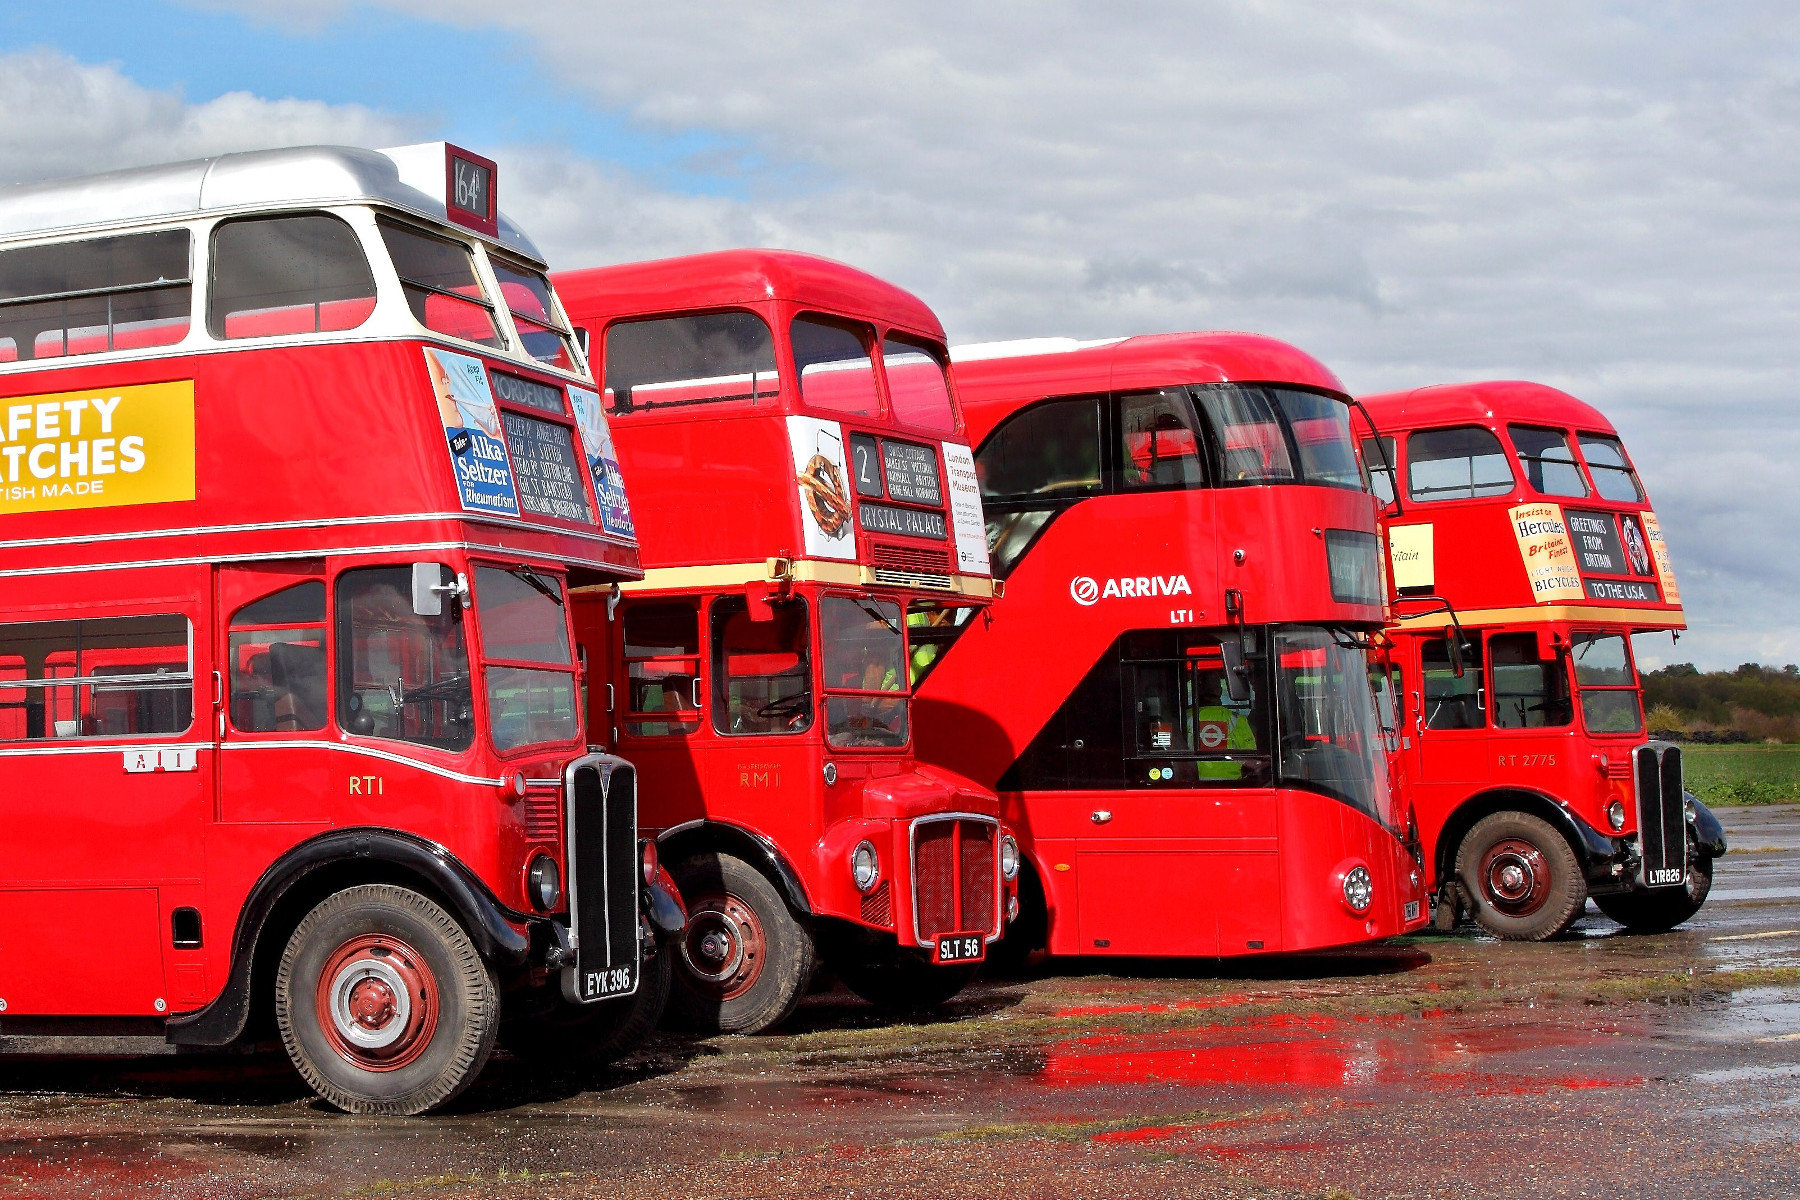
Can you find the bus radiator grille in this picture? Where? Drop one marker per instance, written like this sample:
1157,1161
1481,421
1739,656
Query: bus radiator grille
978,868
934,878
878,906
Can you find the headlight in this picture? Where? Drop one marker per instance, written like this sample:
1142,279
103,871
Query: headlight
1009,858
865,866
543,883
1615,816
1359,889
651,864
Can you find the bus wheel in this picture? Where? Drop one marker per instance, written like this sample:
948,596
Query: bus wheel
744,961
1522,878
1663,909
592,1035
383,1003
902,981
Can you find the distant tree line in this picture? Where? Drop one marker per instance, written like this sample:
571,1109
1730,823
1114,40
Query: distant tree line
1754,703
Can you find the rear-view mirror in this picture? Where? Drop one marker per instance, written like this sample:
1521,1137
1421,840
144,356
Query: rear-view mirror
1237,674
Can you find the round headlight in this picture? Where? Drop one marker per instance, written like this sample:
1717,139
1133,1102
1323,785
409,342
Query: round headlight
543,883
1359,889
1615,816
1009,858
865,866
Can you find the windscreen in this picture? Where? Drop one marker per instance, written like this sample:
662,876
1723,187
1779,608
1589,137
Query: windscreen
529,670
1329,727
865,672
1608,684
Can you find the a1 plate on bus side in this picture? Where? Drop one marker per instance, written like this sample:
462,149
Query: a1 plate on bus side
958,948
1412,910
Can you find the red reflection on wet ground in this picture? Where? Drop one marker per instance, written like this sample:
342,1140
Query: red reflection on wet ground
1118,1010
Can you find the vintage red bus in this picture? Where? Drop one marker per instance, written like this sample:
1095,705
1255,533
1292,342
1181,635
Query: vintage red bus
1525,558
298,460
805,490
1170,701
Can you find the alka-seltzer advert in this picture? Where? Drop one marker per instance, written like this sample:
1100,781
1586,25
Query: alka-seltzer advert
603,463
472,427
99,449
1544,545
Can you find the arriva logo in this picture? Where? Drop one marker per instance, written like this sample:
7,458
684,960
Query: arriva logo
1086,591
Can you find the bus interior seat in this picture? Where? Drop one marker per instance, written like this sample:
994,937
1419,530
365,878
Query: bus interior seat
297,671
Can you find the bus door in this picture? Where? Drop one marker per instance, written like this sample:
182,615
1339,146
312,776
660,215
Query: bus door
1183,860
107,766
1451,717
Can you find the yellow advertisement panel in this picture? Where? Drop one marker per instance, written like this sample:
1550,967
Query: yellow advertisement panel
1410,550
1549,558
1659,553
97,449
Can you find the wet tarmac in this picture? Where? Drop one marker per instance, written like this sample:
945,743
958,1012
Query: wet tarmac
1604,1065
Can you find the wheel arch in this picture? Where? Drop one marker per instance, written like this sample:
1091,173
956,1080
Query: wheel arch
318,867
674,844
1586,843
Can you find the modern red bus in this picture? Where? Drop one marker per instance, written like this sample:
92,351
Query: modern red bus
1525,559
804,491
298,460
1171,700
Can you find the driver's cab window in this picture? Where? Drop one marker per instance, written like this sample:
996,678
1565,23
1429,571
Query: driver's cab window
1529,692
1388,684
401,675
762,669
277,647
1452,701
1185,727
662,669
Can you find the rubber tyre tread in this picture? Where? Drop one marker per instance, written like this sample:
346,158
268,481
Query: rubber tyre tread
598,1034
901,982
788,963
1663,909
468,1001
1568,887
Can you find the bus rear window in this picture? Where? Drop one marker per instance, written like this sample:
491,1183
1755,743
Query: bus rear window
835,370
527,296
115,293
702,359
438,277
287,275
1613,476
1456,464
917,387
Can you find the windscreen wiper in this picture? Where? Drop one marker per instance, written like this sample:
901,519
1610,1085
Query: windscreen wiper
537,583
869,607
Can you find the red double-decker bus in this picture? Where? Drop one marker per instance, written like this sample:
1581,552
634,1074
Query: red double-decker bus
1171,699
1525,559
298,459
805,494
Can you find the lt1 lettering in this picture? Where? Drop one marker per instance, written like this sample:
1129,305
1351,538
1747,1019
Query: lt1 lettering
1181,616
368,785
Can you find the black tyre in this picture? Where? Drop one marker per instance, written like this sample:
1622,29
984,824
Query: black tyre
1664,908
560,1034
744,960
383,1003
902,981
1520,876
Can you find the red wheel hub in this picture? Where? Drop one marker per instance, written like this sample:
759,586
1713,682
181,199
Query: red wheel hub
1514,877
376,1001
723,948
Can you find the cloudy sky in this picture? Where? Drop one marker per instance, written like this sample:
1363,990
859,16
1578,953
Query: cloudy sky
1596,196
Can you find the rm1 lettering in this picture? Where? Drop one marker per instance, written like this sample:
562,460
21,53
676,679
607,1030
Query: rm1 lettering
614,981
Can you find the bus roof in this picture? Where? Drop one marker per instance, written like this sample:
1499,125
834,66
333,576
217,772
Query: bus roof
410,178
1501,401
729,278
994,378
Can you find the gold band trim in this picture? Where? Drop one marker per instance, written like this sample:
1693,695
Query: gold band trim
1658,618
805,570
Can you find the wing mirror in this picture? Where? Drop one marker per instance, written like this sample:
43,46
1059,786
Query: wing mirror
429,589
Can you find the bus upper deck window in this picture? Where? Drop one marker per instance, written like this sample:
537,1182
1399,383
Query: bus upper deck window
705,358
1049,451
527,296
832,360
1160,438
917,387
285,275
1613,476
1548,462
1461,463
129,292
1321,429
1252,446
438,276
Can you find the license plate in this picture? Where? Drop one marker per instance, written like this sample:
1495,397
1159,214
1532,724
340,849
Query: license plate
1412,910
960,947
1664,878
613,981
